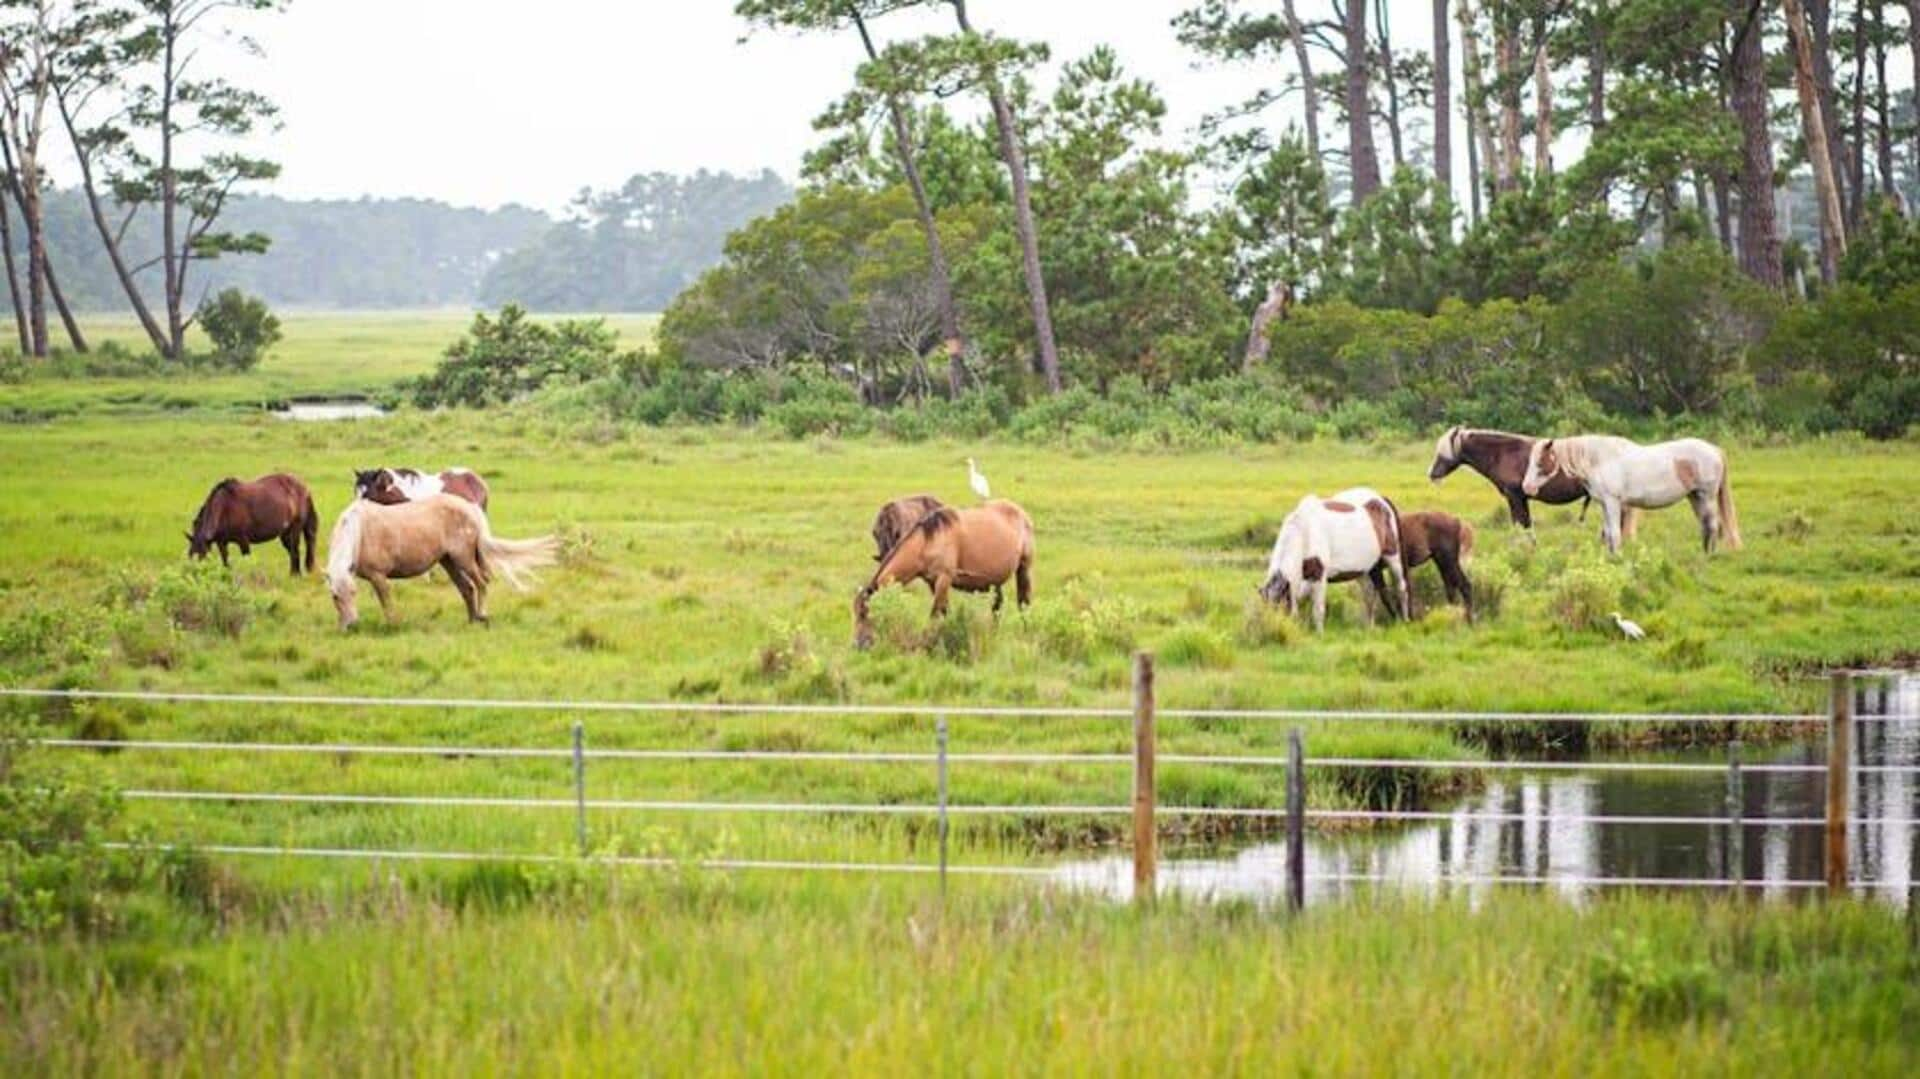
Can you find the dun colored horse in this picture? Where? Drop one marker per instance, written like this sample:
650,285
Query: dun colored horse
896,517
1644,477
380,543
1353,534
1502,459
392,486
974,549
272,507
1447,542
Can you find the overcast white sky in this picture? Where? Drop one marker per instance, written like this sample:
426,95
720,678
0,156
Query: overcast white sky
481,103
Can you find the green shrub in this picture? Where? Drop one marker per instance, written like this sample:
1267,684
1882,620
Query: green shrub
1642,980
240,327
819,406
510,356
1585,593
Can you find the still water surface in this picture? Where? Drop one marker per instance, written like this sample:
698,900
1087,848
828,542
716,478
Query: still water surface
1549,840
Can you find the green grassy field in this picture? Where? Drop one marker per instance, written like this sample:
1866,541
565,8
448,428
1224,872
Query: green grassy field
324,354
783,976
718,564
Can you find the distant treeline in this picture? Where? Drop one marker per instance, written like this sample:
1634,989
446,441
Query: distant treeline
629,249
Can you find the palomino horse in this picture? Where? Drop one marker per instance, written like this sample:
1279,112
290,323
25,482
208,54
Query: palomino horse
381,543
1349,535
1447,542
896,517
392,486
973,549
1502,458
1647,477
271,507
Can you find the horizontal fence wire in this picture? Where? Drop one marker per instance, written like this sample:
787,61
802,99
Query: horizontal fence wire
1062,875
985,711
917,757
968,809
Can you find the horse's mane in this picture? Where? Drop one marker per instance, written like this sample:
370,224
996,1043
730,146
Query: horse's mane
206,506
931,525
344,546
1579,455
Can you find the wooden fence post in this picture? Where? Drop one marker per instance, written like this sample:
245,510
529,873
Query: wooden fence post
1839,775
1144,854
1296,821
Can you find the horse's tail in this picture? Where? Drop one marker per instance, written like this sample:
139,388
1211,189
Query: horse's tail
310,528
517,559
1729,519
1466,541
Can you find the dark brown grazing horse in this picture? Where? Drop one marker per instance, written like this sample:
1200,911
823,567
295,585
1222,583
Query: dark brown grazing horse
1447,542
392,486
1502,458
896,517
271,507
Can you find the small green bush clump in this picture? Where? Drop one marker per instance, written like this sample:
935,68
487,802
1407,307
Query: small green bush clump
240,327
1639,980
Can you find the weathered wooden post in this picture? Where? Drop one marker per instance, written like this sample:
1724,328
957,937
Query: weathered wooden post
1736,821
940,739
1839,775
1296,821
1145,866
580,784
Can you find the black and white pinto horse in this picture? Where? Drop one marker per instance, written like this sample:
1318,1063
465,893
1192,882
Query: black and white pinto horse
392,486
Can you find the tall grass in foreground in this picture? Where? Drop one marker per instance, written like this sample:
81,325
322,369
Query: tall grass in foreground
499,971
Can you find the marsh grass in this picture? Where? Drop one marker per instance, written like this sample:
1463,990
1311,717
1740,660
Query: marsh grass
497,968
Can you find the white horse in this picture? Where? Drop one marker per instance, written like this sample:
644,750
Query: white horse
1353,534
1643,477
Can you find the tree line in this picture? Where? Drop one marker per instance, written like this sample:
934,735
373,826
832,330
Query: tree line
958,229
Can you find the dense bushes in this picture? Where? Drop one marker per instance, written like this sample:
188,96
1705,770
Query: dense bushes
505,358
240,327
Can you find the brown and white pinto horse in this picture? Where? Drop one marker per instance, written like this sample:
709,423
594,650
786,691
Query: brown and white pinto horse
1354,534
896,517
392,486
1646,477
278,507
1502,458
974,549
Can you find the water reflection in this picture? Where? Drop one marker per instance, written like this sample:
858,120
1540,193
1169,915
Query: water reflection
1541,829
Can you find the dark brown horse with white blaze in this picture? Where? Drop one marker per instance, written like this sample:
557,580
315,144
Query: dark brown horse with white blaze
272,507
1502,458
974,549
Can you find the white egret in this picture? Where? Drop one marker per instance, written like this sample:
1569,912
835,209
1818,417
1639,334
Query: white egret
977,481
1629,627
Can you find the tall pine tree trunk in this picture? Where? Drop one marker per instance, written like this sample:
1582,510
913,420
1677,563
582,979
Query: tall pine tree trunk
109,240
1759,237
1542,102
1363,159
1506,48
1597,76
1307,88
1913,48
1857,129
1392,83
74,337
1818,15
1479,120
1442,99
1883,123
936,250
13,278
1833,235
1016,161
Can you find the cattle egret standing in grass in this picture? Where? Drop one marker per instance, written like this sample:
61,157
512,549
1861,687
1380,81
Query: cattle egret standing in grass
977,481
1629,627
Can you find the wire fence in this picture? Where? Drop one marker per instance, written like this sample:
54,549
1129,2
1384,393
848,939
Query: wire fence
1144,808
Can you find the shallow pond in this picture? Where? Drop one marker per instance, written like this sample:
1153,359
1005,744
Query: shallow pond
323,411
1536,826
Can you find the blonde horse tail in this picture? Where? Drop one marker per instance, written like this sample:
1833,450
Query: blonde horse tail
516,559
1729,520
1466,542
